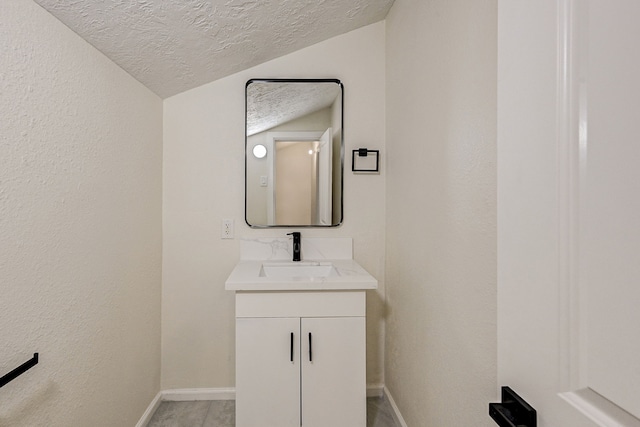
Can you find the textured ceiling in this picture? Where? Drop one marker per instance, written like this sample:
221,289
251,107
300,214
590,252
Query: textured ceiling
270,104
175,45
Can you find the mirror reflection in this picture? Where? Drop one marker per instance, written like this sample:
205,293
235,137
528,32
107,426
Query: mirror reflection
293,153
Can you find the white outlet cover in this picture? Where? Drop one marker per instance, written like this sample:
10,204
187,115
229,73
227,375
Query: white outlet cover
226,232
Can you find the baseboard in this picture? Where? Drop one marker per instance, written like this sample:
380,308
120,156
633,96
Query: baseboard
187,394
183,394
396,412
375,390
151,409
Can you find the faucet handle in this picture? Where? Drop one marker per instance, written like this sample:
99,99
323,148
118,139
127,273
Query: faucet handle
297,246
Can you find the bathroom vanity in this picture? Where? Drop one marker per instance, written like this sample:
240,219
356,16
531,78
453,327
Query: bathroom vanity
300,335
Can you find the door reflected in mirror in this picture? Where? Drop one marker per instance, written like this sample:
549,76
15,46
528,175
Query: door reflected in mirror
293,153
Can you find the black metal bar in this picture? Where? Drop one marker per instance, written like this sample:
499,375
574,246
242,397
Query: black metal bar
19,370
513,411
310,349
501,415
291,348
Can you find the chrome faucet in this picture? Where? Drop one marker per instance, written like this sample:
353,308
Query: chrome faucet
297,245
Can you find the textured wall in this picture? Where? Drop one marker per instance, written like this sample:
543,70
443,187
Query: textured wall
204,183
80,229
441,210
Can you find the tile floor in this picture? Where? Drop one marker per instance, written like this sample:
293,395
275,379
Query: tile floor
221,413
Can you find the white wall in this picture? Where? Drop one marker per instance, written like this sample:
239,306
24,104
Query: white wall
441,210
80,224
204,183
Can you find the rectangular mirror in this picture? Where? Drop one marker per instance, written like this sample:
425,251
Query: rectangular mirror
293,152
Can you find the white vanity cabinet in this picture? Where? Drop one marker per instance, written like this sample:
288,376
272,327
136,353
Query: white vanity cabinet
300,359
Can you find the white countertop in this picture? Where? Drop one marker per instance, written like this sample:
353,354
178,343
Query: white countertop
351,276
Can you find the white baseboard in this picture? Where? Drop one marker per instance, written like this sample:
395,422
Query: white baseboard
396,411
151,409
375,390
183,394
186,394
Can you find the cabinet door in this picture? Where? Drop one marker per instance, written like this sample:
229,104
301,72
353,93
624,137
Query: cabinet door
333,372
267,379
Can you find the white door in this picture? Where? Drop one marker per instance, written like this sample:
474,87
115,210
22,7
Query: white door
334,372
267,372
272,198
569,209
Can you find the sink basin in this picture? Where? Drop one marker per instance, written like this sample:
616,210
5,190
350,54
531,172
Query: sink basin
292,270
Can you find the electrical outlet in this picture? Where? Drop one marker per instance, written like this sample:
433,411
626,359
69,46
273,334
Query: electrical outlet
227,229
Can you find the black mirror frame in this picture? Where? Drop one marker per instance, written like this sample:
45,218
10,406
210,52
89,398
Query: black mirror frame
342,149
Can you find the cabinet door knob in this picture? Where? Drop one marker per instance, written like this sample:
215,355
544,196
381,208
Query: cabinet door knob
310,349
291,348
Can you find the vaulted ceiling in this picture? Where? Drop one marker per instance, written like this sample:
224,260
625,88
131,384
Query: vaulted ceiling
175,45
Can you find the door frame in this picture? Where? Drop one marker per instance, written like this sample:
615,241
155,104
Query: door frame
270,143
